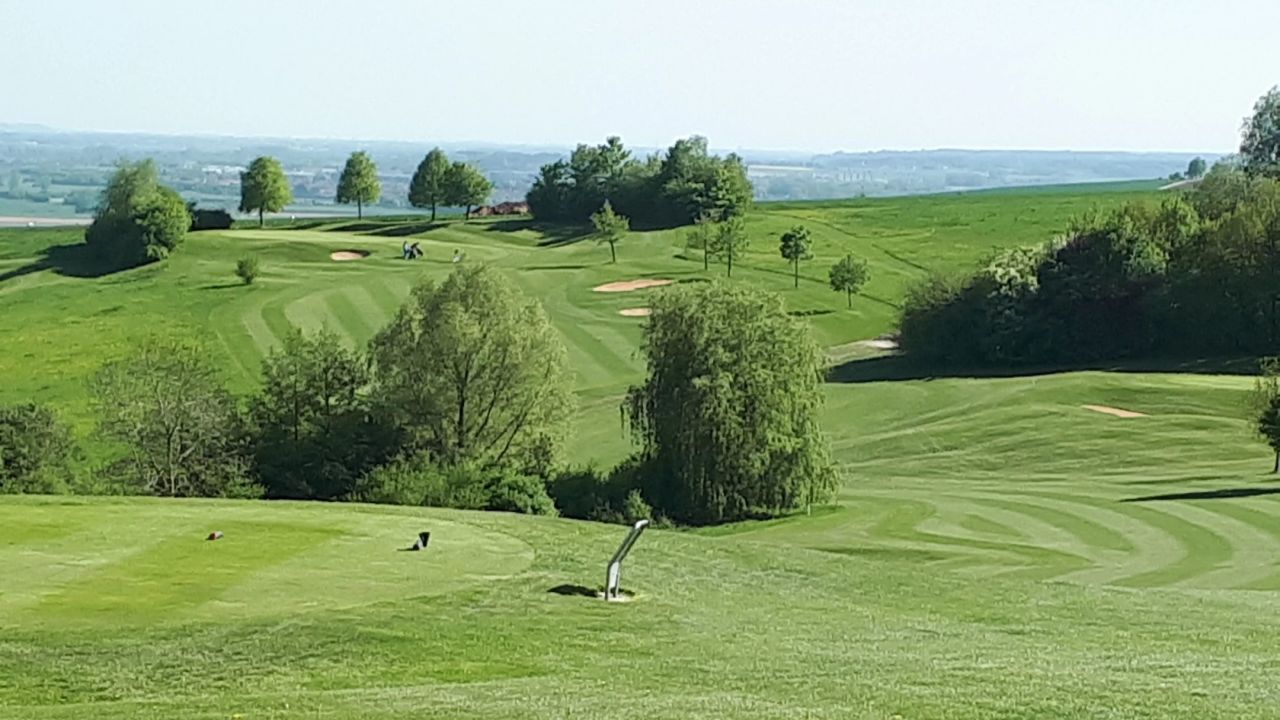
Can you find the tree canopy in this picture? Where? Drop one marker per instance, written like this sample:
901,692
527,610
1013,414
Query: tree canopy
610,228
847,276
35,450
794,247
729,240
359,182
474,373
667,190
1260,144
727,417
1197,168
264,188
167,404
429,187
467,187
137,219
314,432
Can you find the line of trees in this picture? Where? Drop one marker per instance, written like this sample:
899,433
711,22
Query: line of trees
440,183
463,399
667,190
1196,275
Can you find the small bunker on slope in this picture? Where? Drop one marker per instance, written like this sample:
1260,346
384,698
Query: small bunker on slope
1114,411
635,312
630,285
347,255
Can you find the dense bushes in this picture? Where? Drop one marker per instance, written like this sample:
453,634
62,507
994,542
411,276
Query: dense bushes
138,220
418,481
206,219
35,450
680,186
1194,276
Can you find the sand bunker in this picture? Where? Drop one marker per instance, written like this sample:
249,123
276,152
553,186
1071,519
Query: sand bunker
1113,411
344,255
635,312
629,285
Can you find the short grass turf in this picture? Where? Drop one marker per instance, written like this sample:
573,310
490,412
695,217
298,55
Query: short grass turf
997,550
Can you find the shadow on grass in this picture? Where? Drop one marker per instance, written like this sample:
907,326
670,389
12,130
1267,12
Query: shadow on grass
574,591
407,229
1220,494
75,260
553,234
555,267
222,286
809,313
903,367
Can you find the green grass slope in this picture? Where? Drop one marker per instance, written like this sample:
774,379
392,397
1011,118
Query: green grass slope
310,611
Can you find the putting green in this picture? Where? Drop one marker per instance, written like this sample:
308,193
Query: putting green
146,561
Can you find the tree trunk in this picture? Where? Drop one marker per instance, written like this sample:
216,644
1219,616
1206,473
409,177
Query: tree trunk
796,277
359,209
1277,467
730,273
467,216
261,221
613,254
433,211
850,298
706,255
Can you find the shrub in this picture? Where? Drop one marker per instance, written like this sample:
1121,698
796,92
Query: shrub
520,494
247,269
206,219
35,450
418,481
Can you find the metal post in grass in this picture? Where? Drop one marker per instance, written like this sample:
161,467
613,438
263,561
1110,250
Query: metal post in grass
613,574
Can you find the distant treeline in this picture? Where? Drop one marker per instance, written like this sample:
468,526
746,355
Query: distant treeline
1197,274
677,187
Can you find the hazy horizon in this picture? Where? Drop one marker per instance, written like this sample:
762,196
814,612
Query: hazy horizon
815,76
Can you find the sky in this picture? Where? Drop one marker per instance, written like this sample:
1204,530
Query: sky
811,75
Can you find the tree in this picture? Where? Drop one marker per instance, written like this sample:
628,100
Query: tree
264,188
1266,401
1196,168
794,247
166,403
1260,144
467,187
610,228
35,450
730,240
702,237
138,219
430,184
474,372
314,433
847,276
727,418
359,182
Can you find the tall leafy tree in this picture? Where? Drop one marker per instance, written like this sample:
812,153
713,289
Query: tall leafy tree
794,246
702,237
359,182
727,418
1260,144
474,372
848,276
610,228
314,434
730,241
36,449
264,188
1266,400
167,404
431,182
1197,168
467,187
138,219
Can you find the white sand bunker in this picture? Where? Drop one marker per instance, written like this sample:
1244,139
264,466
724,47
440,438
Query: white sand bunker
635,312
629,285
345,255
1106,410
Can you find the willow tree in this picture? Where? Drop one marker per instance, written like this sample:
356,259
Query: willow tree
727,419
